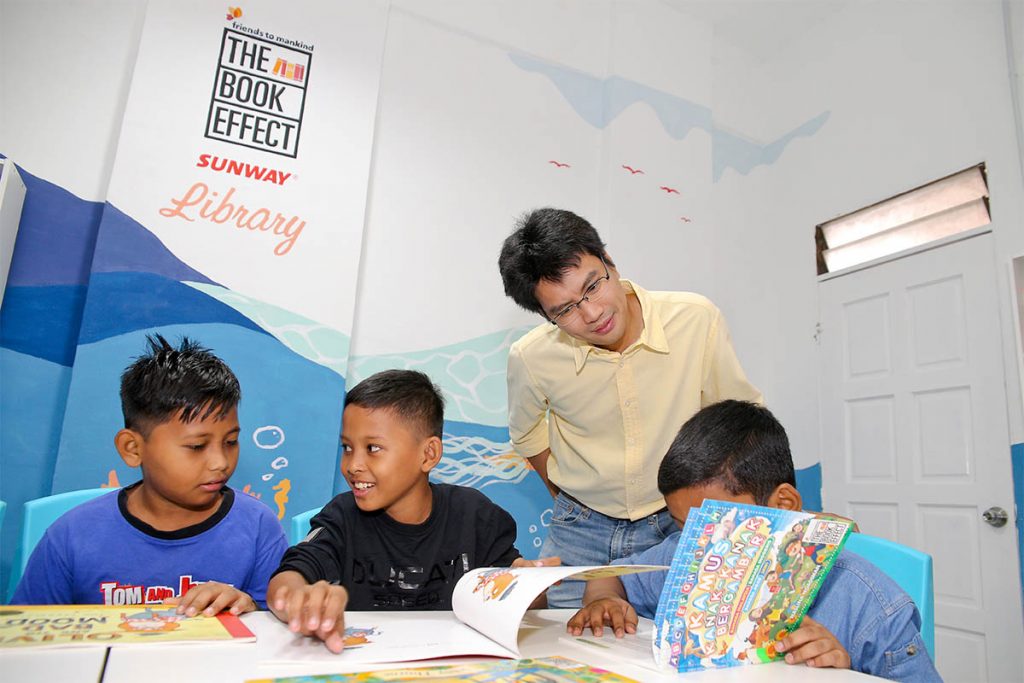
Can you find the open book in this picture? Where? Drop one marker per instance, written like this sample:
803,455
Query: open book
100,625
488,606
743,576
554,669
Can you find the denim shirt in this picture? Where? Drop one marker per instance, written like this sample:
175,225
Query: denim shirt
865,610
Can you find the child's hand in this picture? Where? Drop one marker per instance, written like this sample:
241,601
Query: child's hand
611,611
314,610
814,645
542,562
212,598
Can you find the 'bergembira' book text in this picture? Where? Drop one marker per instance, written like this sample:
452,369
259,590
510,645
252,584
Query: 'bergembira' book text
103,625
742,578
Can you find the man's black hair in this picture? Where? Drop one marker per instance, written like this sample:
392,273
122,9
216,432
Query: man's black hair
545,244
737,444
408,393
166,380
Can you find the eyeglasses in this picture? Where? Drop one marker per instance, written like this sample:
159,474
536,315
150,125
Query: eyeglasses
571,311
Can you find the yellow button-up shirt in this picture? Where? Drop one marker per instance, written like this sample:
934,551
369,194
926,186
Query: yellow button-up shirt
609,417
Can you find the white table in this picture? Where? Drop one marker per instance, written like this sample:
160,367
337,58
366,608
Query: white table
544,636
71,665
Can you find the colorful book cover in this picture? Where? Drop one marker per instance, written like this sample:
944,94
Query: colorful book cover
50,626
743,576
547,669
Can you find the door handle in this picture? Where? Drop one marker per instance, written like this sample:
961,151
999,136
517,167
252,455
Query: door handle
995,516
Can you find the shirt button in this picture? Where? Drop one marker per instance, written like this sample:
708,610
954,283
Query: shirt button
631,441
629,402
622,362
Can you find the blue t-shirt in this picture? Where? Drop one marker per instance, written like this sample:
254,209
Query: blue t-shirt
865,610
98,553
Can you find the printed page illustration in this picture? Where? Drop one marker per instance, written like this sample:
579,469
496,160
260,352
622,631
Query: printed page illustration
57,626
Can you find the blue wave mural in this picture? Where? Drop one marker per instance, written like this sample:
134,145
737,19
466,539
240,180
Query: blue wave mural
121,302
39,321
599,101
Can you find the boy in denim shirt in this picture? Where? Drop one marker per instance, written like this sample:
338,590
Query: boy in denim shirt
738,452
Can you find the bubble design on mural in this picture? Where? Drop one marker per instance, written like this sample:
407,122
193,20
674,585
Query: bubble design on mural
269,437
312,340
471,374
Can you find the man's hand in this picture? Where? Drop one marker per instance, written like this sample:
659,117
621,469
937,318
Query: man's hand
610,611
313,610
814,645
212,598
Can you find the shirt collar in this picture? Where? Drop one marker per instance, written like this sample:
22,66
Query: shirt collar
652,336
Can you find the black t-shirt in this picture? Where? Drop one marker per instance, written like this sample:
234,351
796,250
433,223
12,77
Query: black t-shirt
387,565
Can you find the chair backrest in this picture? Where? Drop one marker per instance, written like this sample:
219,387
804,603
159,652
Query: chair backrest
39,515
3,509
911,570
300,525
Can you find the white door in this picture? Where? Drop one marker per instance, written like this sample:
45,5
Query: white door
915,443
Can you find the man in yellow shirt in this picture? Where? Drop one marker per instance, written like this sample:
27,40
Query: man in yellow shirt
597,393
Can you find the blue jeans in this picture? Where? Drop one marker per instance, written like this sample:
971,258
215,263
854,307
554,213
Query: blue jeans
582,536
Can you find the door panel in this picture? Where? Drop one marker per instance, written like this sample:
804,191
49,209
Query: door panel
915,443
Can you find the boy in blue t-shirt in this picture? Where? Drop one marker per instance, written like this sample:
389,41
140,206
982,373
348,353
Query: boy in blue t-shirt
179,535
738,452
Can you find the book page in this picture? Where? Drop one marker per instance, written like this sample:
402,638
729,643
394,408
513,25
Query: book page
373,637
57,626
494,600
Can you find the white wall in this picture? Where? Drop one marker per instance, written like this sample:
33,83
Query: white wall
914,92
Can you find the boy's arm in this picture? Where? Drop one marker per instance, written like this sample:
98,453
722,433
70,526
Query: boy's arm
312,610
604,604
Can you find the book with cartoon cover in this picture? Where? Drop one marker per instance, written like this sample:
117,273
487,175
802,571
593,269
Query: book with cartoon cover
547,669
51,626
487,618
743,576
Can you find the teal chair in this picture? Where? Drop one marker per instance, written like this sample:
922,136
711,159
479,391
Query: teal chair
3,509
300,525
911,570
39,515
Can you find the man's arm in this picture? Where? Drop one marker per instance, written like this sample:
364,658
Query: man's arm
539,463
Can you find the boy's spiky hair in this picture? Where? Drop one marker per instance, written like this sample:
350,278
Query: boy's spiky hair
737,444
408,393
188,382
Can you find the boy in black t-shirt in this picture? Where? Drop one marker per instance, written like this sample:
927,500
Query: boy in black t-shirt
395,541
